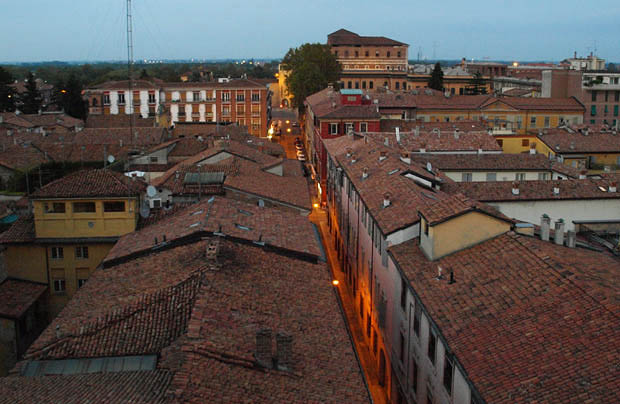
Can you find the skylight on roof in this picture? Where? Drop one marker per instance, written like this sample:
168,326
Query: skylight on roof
394,171
194,224
197,212
242,227
245,212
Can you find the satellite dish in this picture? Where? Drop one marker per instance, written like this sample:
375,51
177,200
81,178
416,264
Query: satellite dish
111,159
145,210
151,191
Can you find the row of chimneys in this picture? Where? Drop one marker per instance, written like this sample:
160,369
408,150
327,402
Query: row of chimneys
545,226
556,188
283,360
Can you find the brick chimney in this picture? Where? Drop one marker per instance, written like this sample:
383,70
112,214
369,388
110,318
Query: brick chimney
263,354
365,173
532,148
613,187
515,188
582,174
284,351
545,225
386,200
559,232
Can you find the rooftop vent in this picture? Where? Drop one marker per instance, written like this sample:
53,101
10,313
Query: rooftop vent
545,225
365,172
612,187
532,148
386,199
559,232
515,188
582,174
382,155
556,190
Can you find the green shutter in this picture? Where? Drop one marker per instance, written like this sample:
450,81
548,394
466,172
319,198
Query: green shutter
593,110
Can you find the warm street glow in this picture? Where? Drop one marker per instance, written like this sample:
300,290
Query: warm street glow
335,282
316,205
288,130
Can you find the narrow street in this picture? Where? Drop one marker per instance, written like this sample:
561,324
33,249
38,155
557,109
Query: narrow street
319,218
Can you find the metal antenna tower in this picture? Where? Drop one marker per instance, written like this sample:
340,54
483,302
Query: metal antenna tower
130,68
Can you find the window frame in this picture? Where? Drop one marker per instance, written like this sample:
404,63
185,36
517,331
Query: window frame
54,206
108,204
491,177
431,348
59,288
82,249
83,204
57,253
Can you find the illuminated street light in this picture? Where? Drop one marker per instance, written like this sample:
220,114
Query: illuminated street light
335,282
287,121
316,205
288,130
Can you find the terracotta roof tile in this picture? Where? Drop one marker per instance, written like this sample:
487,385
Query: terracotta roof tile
117,121
496,162
17,296
91,183
575,141
343,37
514,307
22,231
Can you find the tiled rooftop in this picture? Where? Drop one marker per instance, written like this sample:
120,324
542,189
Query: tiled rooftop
390,125
512,314
343,37
535,190
96,388
17,296
91,183
576,141
454,206
22,231
117,121
495,162
280,229
440,141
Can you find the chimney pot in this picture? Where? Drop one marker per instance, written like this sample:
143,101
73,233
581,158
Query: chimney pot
556,190
532,148
559,232
386,200
582,174
515,188
571,239
545,225
263,352
613,187
365,172
284,351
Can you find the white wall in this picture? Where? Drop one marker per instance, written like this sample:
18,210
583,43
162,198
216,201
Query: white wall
174,112
202,110
569,210
144,103
481,176
113,102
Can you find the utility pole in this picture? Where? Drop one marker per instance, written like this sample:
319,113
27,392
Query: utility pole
130,67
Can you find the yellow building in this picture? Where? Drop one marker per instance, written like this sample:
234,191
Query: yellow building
76,220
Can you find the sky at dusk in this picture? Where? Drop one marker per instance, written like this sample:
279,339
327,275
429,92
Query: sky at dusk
72,30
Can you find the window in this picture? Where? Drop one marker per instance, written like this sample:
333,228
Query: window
106,99
226,110
370,85
349,127
593,110
466,177
397,85
376,53
374,342
366,53
615,110
357,54
426,227
363,127
240,97
59,286
151,98
547,122
388,54
115,206
363,84
432,345
525,143
491,177
617,96
226,96
520,176
57,253
543,176
336,53
55,207
417,313
357,84
606,96
84,207
500,142
447,374
349,84
196,96
606,110
240,109
156,203
398,53
333,128
593,96
81,282
519,122
533,121
403,294
81,252
402,348
121,98
414,377
255,97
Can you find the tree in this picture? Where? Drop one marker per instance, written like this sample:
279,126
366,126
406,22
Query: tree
477,85
144,75
71,99
436,80
7,94
312,67
31,99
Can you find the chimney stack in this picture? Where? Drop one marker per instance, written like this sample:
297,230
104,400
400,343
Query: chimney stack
263,348
349,151
556,190
545,225
582,174
515,188
571,239
532,148
365,172
382,155
398,134
456,133
404,157
613,187
386,200
559,232
284,351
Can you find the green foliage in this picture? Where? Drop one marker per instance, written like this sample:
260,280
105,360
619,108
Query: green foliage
476,85
31,100
312,67
436,80
70,98
7,95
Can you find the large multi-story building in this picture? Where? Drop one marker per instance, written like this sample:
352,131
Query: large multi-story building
598,91
369,62
240,101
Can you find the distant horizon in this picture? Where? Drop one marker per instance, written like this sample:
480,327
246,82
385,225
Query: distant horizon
66,30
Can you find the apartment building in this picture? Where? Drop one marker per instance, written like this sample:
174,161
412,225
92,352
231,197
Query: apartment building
598,91
442,282
240,101
369,62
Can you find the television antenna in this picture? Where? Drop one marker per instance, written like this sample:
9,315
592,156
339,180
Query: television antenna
111,159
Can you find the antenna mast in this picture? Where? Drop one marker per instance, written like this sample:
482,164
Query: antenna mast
130,67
